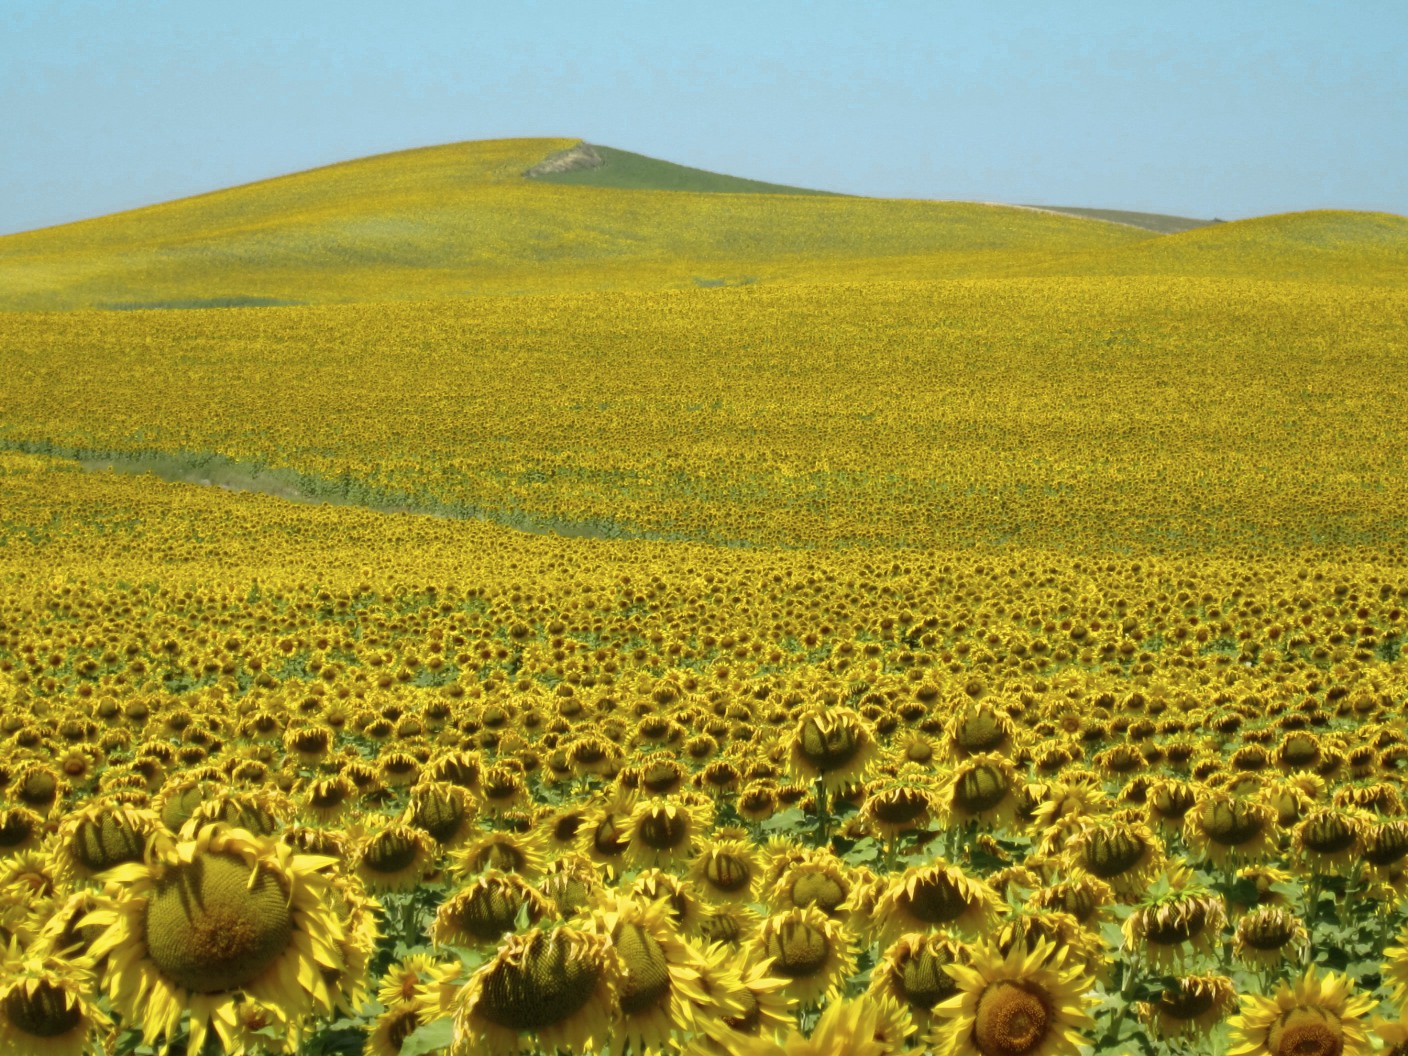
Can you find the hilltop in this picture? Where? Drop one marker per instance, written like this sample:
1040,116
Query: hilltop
520,216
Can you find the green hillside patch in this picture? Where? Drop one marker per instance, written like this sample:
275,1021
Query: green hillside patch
592,166
1164,225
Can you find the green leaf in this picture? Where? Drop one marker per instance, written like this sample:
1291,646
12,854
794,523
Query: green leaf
430,1037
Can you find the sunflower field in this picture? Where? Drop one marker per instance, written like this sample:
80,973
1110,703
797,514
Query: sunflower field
986,667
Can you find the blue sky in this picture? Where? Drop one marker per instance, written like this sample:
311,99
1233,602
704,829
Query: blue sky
1232,109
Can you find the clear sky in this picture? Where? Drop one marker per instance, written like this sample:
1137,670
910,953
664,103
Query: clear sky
1228,108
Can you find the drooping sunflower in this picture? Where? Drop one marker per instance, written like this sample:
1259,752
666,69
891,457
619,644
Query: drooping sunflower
912,970
817,879
900,804
21,829
981,789
393,1025
866,1025
684,905
726,870
934,896
606,834
666,831
103,835
1029,1003
833,745
977,728
662,990
326,800
45,1008
443,811
1082,896
545,989
1189,1006
395,858
213,919
810,949
570,883
1222,826
1126,855
511,852
1330,840
1269,936
1316,1014
1172,928
481,913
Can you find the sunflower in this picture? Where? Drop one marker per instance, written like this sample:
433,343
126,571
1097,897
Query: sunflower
393,1025
606,834
443,811
661,991
1223,826
1078,796
666,831
982,789
810,949
1189,1006
406,981
511,852
1330,840
977,728
899,805
62,934
1269,936
1394,1035
1173,927
545,989
685,908
395,858
21,829
816,878
938,895
45,1008
758,995
1315,1015
1029,926
216,918
327,799
726,870
570,882
832,745
912,970
728,923
1126,855
1082,896
1169,800
1028,1002
863,1026
482,913
101,836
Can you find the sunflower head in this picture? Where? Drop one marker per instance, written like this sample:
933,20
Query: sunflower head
558,986
834,745
45,1007
483,912
1314,1016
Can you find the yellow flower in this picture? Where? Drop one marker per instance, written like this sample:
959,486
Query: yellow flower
810,949
546,989
1190,1006
217,918
833,745
46,1008
1315,1016
1028,1002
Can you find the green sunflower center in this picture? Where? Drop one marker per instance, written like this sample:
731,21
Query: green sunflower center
924,981
980,788
936,899
1268,930
440,814
1011,1020
661,830
1306,1032
15,829
828,747
900,806
390,852
210,929
647,981
800,949
817,889
1328,834
1231,823
727,872
486,912
547,985
105,841
47,1011
980,733
1108,854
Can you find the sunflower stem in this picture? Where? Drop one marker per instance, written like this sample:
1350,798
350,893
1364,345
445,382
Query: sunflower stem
823,815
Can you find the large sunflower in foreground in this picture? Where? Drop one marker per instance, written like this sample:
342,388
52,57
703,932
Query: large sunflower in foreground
1312,1017
546,989
1029,1003
218,917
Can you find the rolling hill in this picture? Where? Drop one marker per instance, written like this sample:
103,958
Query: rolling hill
556,215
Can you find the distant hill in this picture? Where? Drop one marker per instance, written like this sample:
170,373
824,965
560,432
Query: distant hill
1164,225
461,220
557,215
587,165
